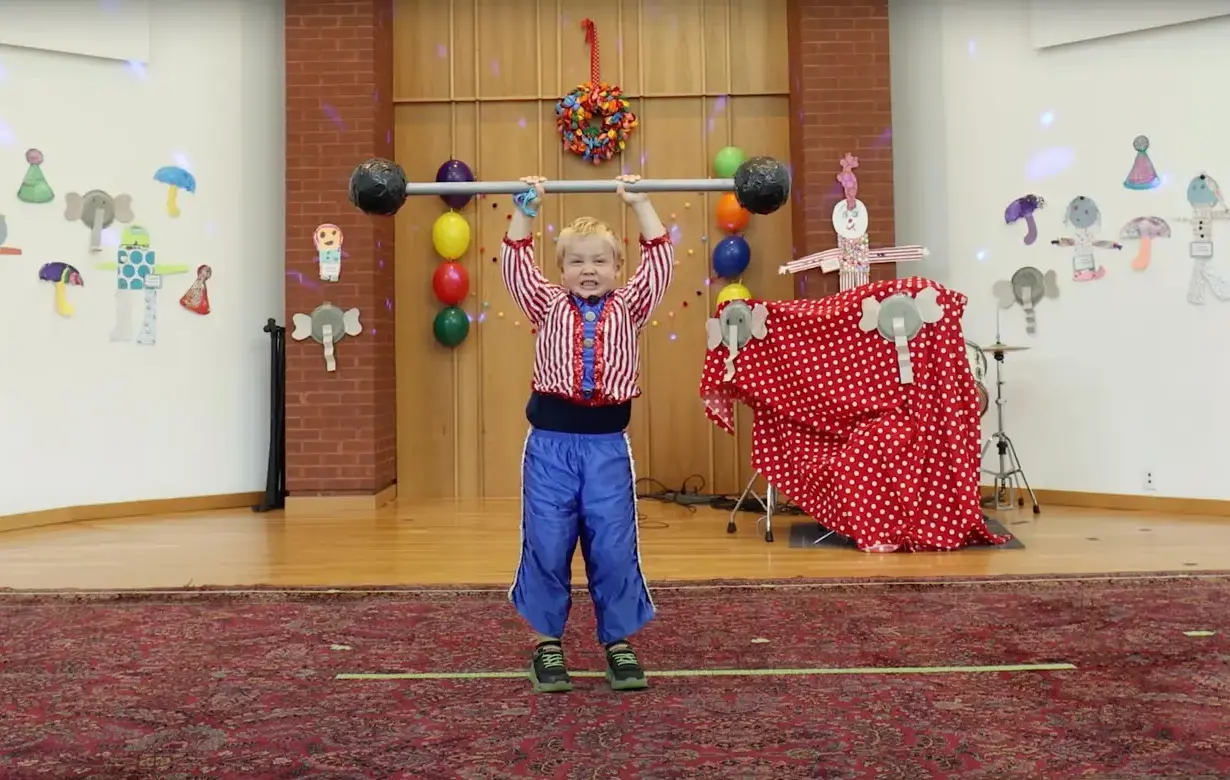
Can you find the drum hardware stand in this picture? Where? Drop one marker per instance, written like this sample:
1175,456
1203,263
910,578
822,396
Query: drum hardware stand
769,502
1010,471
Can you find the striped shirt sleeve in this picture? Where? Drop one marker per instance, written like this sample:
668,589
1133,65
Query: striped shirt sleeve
647,287
525,281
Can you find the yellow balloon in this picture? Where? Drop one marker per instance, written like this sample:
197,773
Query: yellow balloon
451,235
735,291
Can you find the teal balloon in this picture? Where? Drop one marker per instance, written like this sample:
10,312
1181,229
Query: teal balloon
451,327
727,161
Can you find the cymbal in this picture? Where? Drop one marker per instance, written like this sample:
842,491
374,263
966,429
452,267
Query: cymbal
993,348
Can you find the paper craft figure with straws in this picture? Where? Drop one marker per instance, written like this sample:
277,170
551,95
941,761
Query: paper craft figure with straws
1205,198
853,256
899,318
137,274
1084,216
1027,287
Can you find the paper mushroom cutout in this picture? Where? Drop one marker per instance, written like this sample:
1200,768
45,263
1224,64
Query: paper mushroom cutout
737,324
176,179
62,275
1144,230
1023,208
1027,287
327,325
899,318
97,210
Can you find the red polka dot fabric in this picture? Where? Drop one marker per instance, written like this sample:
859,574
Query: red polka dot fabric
891,466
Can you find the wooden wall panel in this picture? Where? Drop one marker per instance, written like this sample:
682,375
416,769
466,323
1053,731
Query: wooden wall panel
702,74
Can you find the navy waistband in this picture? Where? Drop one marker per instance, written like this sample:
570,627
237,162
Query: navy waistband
552,413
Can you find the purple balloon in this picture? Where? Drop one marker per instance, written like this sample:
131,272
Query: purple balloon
455,171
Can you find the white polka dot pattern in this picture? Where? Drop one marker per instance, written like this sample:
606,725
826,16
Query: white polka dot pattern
891,466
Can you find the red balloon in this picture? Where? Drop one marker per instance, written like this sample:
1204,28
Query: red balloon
451,283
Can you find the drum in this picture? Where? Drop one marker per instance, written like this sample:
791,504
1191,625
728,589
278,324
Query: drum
978,367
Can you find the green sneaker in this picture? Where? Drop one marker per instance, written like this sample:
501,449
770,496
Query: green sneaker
623,671
548,672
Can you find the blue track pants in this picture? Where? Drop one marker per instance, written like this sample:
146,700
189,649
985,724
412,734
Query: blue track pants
579,487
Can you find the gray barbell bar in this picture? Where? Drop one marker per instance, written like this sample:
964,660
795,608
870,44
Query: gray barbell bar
566,186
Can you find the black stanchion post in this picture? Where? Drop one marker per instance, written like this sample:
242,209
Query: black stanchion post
275,476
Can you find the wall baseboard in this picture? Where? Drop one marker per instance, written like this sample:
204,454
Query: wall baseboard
158,506
1172,505
318,506
324,506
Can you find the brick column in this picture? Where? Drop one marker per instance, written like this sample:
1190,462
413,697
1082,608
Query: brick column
840,101
340,426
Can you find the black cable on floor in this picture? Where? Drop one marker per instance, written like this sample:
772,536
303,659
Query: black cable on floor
691,495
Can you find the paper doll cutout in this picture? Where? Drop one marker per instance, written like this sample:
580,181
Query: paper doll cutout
34,187
136,262
4,234
1023,208
328,241
1204,196
197,298
899,318
737,324
853,256
62,275
327,325
1143,175
1144,230
1027,287
176,179
97,210
1085,218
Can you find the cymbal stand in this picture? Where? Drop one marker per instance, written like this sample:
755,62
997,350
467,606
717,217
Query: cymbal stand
1010,472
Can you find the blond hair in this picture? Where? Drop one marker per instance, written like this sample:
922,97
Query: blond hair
584,227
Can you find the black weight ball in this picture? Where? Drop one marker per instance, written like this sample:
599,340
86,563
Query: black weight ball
762,185
378,187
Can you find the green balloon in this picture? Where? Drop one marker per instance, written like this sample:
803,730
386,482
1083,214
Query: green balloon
451,327
727,162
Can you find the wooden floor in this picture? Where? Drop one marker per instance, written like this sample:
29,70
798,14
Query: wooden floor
477,543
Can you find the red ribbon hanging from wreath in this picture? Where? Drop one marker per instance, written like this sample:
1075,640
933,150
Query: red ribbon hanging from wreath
594,120
595,59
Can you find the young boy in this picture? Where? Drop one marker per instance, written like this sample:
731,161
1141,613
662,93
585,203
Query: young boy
576,471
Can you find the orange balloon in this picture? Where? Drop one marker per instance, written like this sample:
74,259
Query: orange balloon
731,217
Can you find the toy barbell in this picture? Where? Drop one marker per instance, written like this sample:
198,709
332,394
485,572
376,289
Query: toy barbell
380,187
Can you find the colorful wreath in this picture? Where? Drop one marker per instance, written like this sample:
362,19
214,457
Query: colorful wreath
594,120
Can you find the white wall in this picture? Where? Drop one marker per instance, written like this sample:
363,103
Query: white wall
84,420
1124,375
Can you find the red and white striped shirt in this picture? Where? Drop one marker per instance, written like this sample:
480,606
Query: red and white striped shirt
558,359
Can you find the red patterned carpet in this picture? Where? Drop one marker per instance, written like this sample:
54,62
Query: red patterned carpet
242,686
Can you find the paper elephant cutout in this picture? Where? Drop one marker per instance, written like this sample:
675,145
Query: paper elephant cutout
899,318
97,210
1027,287
736,325
327,325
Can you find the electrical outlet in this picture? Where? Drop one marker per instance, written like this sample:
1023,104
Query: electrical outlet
1147,481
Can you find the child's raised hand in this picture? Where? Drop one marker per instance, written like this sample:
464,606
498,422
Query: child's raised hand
631,198
536,182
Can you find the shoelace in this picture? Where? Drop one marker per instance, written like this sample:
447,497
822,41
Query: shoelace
623,658
551,659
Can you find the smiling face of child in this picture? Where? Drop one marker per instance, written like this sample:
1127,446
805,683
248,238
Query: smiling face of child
589,258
